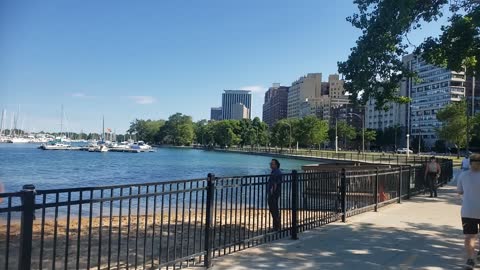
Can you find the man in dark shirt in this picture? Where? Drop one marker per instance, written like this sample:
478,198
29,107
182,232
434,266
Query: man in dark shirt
274,186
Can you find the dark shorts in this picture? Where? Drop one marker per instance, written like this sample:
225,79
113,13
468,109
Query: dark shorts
470,225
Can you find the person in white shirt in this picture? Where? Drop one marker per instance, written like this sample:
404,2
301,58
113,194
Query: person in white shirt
468,185
466,163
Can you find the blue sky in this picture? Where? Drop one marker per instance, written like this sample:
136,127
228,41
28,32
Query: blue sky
150,59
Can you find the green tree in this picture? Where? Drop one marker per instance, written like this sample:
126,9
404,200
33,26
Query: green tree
285,132
345,133
370,135
201,129
389,137
454,124
281,134
224,133
374,68
145,130
262,134
177,130
246,132
121,137
312,131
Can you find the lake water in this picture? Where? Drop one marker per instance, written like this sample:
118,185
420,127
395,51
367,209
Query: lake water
22,164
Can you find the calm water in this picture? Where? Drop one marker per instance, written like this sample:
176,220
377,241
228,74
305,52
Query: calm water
24,164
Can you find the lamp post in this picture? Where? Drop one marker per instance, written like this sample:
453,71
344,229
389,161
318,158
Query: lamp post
336,136
419,141
363,130
408,145
409,128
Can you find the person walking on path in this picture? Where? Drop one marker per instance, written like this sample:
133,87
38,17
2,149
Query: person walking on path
468,185
466,163
274,186
432,173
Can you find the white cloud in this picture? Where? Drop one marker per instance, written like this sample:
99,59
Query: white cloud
80,95
143,99
254,88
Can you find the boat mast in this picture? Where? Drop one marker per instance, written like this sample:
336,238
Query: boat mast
61,123
103,128
12,125
3,122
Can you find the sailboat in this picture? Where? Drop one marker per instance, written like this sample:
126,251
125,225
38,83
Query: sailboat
57,144
102,147
15,138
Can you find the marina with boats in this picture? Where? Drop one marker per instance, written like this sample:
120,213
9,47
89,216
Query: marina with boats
100,146
62,142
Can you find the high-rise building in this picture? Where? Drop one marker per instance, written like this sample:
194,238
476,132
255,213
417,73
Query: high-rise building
380,119
434,89
475,95
232,97
314,106
216,113
239,112
336,89
275,104
346,112
306,87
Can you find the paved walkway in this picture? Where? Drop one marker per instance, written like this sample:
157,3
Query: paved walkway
422,233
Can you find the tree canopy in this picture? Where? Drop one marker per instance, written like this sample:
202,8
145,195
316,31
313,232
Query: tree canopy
374,69
454,123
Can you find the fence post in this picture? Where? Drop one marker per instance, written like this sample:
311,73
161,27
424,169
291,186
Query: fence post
410,174
343,194
400,178
209,220
397,160
376,190
26,227
294,229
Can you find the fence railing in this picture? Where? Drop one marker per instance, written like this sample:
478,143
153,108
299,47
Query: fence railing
371,157
170,225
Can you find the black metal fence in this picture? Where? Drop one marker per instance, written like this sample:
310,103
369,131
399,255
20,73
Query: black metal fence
370,157
181,223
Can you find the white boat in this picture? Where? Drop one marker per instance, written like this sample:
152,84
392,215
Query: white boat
141,145
101,148
55,146
18,140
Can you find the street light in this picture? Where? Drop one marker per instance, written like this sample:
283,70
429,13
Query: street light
409,123
363,130
408,145
419,140
336,136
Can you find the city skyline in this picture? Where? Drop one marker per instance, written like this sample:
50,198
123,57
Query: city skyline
139,62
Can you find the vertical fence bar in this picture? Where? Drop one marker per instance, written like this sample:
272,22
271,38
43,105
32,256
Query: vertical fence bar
294,195
343,194
26,229
410,174
400,180
209,220
376,190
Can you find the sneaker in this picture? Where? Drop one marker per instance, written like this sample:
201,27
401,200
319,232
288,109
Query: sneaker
470,265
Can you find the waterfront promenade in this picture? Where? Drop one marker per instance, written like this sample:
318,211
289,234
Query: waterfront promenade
420,233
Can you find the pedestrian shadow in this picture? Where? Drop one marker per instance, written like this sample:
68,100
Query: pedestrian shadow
357,246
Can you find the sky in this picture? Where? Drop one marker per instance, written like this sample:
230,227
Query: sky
149,59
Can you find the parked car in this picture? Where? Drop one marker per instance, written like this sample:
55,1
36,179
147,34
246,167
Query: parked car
404,151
